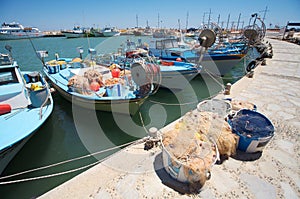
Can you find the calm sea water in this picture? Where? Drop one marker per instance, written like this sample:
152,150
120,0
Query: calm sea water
74,132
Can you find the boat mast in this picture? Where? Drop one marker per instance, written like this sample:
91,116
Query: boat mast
209,18
265,12
158,21
228,21
187,20
238,23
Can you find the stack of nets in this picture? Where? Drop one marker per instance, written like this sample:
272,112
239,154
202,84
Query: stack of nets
196,142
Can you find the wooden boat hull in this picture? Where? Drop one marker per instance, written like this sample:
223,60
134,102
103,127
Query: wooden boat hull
177,80
219,67
73,35
7,154
123,106
20,36
110,34
29,116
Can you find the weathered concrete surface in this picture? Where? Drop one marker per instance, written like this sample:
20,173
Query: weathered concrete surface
275,173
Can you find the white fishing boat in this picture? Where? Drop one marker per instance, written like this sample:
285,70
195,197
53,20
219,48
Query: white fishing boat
25,104
76,32
17,31
109,32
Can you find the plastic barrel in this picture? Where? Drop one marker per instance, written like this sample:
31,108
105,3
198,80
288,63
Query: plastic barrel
52,69
179,170
38,97
254,129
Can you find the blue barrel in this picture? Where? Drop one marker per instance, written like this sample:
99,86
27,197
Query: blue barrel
52,69
38,97
254,129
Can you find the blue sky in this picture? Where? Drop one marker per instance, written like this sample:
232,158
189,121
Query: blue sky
63,14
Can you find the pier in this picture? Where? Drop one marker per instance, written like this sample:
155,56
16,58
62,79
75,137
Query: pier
136,173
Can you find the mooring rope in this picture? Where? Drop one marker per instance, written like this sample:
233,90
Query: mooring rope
142,121
48,176
63,162
194,102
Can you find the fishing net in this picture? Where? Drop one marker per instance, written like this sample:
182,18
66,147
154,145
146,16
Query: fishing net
194,145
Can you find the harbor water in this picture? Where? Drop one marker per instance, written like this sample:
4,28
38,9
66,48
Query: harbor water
73,132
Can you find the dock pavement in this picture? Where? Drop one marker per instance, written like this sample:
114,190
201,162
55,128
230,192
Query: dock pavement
275,173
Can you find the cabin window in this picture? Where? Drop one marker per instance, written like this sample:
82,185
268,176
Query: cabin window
159,45
8,75
4,60
168,44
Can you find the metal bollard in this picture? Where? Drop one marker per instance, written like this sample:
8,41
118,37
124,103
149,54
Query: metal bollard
153,132
227,89
250,74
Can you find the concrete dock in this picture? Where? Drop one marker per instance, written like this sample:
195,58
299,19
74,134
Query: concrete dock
274,173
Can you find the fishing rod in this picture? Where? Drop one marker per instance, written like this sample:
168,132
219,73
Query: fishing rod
40,54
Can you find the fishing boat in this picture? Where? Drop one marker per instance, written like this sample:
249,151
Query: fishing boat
25,104
17,31
174,74
76,32
96,32
171,74
94,86
109,32
217,61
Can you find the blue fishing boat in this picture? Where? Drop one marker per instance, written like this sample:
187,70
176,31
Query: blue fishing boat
216,60
173,74
93,86
177,74
25,104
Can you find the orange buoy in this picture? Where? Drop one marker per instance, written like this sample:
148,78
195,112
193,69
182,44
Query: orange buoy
5,108
115,73
95,86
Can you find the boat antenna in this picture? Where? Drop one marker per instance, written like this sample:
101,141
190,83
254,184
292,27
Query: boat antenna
80,50
41,54
87,36
93,53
